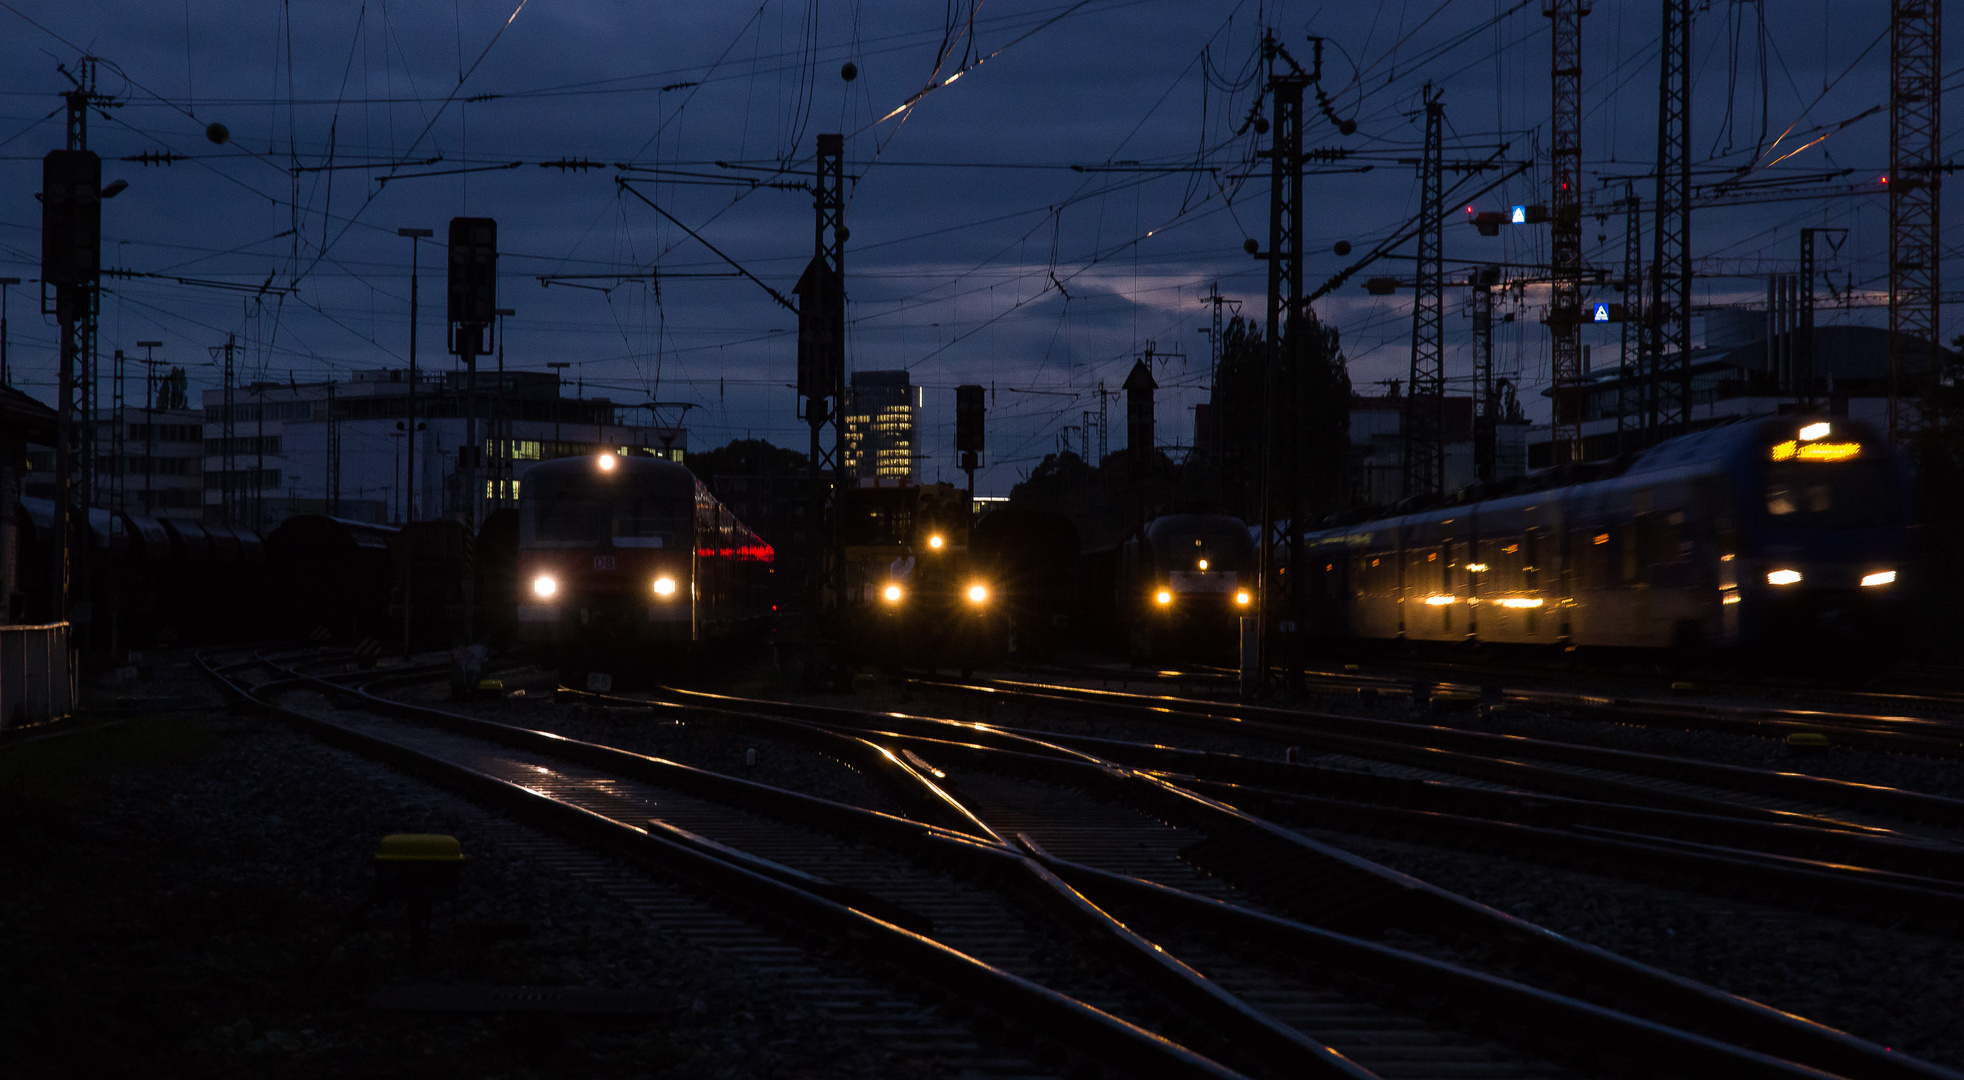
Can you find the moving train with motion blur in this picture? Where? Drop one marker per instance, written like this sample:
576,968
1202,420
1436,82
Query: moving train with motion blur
630,564
1786,535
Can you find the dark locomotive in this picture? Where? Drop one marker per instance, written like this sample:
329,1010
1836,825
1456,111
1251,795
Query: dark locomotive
1787,534
1183,583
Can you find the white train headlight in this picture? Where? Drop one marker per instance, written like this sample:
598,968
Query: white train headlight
664,586
935,542
606,462
1880,577
1242,598
892,594
1783,577
1163,596
544,585
978,593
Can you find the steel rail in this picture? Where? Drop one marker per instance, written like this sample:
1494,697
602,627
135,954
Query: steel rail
1438,740
775,897
1327,886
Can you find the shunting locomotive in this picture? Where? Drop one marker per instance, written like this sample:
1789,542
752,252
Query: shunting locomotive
1788,534
630,560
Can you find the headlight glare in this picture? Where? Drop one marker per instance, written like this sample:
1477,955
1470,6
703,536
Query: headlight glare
664,586
544,585
978,593
1881,577
892,594
1163,596
1783,577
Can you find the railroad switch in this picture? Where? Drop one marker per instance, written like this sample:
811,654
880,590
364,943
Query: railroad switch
418,869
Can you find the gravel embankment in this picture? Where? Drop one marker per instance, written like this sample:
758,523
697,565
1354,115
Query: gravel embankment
189,895
1899,989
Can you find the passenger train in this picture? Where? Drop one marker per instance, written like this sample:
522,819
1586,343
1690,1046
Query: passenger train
630,560
1788,534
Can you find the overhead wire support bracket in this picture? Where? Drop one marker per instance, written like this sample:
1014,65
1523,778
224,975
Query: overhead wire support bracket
1384,250
626,185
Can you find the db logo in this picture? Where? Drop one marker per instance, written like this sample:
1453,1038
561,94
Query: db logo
603,562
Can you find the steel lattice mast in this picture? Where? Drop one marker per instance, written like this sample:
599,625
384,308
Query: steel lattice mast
1565,203
1425,405
1629,393
1915,140
1285,303
1668,323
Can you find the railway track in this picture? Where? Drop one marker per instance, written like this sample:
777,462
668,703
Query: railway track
1794,858
758,909
1921,723
1434,749
1188,865
1310,982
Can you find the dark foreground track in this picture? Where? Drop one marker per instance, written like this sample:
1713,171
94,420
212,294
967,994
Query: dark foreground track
1189,866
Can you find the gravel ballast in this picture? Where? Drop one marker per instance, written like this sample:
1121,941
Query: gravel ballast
191,895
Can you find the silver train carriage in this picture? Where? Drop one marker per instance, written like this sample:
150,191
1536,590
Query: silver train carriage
1790,531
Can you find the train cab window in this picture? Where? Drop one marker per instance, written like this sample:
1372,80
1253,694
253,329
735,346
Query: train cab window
1841,495
651,522
565,519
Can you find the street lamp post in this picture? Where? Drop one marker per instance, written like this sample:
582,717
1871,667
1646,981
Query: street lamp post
149,422
558,368
6,378
500,422
409,478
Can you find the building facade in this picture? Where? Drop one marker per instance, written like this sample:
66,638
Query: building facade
344,448
1747,366
883,421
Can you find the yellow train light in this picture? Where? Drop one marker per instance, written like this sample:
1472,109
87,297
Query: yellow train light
1783,577
934,542
1163,597
1242,598
1882,577
892,594
978,593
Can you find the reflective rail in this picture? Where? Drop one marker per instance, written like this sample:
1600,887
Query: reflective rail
37,674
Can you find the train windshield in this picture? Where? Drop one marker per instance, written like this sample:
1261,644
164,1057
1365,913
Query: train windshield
651,522
566,518
1843,495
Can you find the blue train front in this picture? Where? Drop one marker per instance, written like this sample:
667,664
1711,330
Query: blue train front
1787,533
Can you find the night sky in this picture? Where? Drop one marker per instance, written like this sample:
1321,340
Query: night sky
977,252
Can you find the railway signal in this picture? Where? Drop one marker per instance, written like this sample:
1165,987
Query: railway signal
969,411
